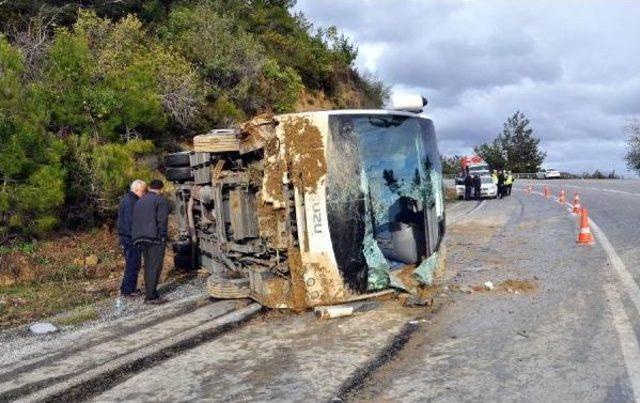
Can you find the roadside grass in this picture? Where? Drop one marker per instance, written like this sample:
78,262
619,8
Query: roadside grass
78,316
24,303
66,271
450,195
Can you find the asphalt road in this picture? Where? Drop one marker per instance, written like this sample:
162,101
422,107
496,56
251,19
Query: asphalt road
560,326
568,337
562,323
613,204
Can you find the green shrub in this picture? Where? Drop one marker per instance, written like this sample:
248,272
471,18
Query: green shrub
31,174
281,87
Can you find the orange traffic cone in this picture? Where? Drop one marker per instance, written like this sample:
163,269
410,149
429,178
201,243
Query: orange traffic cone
585,232
577,209
561,198
547,193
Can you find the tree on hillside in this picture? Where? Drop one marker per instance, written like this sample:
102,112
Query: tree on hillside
31,173
492,154
515,148
88,87
633,145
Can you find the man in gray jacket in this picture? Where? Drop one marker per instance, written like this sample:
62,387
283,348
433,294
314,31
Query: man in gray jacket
149,234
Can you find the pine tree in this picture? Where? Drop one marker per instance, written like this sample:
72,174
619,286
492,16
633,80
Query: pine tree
515,148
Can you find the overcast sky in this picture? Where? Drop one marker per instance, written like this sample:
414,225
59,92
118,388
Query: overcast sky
573,67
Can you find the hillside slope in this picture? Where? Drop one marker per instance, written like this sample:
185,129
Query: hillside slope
90,88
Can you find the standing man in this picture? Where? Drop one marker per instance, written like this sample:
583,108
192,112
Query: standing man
468,185
501,186
508,183
149,231
477,186
132,256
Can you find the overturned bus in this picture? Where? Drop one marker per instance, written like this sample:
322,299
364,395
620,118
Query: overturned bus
314,208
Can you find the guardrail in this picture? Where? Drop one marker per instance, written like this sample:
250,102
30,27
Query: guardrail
525,175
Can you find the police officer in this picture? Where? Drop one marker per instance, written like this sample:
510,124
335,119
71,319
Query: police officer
508,183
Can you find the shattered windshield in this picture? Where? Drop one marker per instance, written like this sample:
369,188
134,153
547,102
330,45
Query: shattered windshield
384,193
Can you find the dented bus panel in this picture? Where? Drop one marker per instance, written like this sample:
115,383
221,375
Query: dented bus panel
315,208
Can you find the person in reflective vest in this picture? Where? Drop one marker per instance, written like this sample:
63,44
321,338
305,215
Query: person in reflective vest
508,183
494,177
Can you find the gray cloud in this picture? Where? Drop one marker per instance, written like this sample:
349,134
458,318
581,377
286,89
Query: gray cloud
572,67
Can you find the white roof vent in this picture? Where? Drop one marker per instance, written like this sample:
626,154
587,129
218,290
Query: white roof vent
407,102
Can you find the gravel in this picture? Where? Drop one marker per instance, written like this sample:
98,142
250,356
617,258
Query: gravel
19,343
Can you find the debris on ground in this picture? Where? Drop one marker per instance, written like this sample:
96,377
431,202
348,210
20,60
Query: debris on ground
518,286
332,311
416,301
466,289
510,286
42,328
337,311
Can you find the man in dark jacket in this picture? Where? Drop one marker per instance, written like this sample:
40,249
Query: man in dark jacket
132,256
501,187
477,186
149,232
468,185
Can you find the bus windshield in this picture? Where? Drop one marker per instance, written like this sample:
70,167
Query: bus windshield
384,192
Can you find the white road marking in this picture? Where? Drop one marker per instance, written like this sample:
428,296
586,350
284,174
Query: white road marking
625,276
478,207
628,340
604,190
596,189
627,337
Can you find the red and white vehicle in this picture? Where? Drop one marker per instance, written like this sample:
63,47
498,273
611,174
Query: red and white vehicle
476,165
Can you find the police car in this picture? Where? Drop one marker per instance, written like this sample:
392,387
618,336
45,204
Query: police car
488,189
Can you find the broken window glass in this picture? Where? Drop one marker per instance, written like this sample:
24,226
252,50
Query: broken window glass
384,195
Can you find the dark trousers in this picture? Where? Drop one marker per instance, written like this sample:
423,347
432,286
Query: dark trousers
509,190
500,191
133,261
467,192
153,255
477,193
